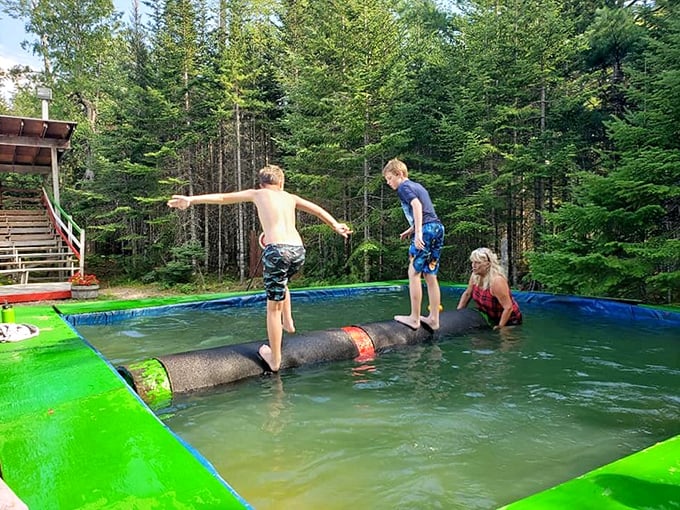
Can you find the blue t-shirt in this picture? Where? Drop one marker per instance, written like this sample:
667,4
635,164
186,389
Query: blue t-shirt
407,191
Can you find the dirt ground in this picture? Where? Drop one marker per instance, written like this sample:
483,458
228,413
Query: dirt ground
109,292
115,292
140,291
136,292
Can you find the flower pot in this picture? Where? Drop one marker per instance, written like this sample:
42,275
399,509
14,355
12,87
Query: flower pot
84,291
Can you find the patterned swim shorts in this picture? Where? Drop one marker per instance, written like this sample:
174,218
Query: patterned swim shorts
427,259
280,262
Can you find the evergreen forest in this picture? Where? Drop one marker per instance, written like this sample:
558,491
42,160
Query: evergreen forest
546,130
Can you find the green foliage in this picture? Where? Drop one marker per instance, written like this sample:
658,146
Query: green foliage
179,269
552,126
620,237
357,260
592,274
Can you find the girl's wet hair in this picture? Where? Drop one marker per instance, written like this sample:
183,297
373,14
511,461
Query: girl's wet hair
495,268
484,255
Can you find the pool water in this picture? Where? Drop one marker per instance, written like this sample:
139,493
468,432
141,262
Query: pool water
467,422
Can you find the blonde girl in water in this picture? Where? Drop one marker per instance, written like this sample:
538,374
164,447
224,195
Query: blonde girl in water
488,287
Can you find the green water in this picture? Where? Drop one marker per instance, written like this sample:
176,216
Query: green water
470,422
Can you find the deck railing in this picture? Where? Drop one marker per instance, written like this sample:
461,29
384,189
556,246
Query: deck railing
70,232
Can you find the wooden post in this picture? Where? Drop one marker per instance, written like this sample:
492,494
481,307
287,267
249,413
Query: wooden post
255,268
55,176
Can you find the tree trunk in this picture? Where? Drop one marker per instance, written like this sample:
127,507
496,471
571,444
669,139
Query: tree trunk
366,210
220,211
241,244
539,183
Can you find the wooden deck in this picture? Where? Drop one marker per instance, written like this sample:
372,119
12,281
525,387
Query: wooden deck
33,292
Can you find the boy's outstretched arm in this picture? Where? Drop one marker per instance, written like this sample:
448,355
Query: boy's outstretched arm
184,201
323,215
179,202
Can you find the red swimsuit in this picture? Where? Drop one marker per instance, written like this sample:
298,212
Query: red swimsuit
493,308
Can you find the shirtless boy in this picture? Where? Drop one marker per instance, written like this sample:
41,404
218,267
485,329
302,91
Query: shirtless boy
284,252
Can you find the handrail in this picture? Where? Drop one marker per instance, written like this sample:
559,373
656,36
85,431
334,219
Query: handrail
70,232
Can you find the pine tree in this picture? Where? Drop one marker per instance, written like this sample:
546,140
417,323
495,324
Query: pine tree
621,236
343,60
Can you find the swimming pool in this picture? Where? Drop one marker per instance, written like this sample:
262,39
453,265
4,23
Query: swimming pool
465,422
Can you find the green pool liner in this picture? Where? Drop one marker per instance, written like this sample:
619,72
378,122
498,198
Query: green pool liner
649,480
74,435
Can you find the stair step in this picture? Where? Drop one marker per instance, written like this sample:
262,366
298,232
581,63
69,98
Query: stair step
30,249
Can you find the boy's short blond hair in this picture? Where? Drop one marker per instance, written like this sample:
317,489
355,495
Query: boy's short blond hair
396,167
271,174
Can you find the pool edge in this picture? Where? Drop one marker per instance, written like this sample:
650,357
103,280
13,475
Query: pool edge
42,408
74,435
645,479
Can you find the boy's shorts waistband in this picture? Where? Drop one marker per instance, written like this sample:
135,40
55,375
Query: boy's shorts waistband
283,245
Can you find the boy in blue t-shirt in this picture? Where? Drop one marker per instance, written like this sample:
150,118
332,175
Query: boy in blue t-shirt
427,238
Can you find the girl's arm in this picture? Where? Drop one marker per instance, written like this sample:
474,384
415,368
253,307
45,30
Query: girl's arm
501,291
465,297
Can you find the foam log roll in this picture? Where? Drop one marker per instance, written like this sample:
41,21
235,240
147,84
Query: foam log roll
157,379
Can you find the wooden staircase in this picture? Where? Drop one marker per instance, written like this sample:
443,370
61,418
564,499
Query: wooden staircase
30,248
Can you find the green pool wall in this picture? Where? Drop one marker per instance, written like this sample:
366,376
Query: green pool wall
74,435
649,479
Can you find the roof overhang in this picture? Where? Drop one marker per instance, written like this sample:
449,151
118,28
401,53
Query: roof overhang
26,144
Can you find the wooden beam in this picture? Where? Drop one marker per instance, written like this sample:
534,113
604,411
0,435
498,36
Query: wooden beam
55,176
24,141
26,169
